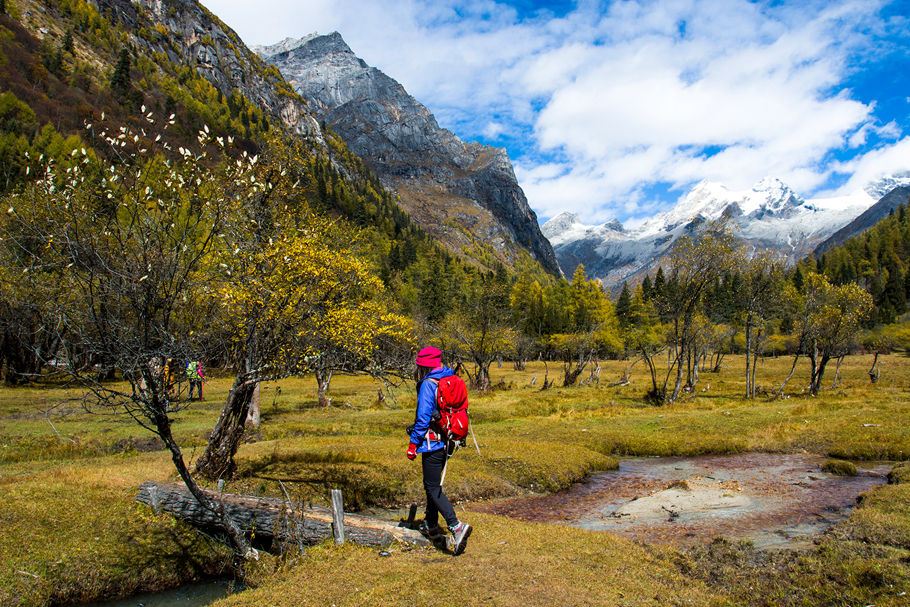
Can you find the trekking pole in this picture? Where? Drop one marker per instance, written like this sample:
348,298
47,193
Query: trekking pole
476,446
446,465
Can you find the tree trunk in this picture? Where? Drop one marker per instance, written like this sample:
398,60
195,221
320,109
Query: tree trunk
840,359
677,385
780,391
323,381
749,392
481,379
817,375
572,372
254,415
236,538
276,524
874,371
218,460
754,366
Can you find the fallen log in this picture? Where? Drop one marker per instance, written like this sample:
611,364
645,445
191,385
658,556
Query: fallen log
271,523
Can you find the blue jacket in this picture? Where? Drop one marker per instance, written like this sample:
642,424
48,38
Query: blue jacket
426,404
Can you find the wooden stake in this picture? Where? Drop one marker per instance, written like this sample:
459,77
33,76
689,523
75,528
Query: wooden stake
337,517
153,497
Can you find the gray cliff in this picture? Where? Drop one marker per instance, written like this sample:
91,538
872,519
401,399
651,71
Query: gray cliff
459,192
192,36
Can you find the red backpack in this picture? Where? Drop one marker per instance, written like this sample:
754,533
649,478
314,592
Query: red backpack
452,401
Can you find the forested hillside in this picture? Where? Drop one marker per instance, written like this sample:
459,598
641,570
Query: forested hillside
878,260
78,79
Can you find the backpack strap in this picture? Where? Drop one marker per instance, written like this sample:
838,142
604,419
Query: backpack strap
436,404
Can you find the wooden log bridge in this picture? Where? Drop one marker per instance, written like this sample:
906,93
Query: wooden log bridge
271,523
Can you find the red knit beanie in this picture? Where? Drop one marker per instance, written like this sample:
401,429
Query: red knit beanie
429,357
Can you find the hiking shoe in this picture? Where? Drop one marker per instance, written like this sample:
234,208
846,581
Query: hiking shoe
460,533
431,533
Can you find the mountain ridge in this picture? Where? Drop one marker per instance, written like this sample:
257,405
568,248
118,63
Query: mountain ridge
463,193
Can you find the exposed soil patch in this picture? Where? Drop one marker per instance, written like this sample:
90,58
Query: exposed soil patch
777,501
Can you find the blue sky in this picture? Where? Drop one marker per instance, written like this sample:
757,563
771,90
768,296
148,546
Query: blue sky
615,109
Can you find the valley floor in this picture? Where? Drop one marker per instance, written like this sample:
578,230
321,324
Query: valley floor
74,533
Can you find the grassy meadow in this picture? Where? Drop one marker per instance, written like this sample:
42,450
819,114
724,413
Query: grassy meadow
73,532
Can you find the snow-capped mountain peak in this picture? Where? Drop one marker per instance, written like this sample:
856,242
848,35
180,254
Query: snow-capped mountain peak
769,215
878,188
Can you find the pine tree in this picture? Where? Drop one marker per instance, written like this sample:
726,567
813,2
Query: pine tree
67,44
660,284
893,292
646,288
121,80
798,279
624,305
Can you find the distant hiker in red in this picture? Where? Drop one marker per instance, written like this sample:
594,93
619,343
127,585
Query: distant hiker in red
428,440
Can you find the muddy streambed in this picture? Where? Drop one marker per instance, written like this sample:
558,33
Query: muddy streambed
777,501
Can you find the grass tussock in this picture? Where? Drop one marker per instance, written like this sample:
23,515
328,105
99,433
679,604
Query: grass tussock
839,467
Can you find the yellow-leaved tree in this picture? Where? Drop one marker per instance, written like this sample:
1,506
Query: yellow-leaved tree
295,297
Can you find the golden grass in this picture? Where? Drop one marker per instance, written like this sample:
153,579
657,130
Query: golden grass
507,563
73,533
62,491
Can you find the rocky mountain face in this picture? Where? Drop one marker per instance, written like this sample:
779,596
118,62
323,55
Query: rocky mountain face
770,215
186,33
464,194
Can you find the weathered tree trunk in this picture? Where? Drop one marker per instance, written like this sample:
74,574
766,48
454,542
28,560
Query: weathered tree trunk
780,391
754,367
572,372
254,415
235,538
481,379
323,382
874,371
218,460
750,393
840,359
677,384
818,373
276,524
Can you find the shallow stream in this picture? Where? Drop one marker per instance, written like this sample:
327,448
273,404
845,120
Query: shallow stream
776,501
191,595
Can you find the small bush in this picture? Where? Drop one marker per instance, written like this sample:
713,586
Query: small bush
839,467
899,474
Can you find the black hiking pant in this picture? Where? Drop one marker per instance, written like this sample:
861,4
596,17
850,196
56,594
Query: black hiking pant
437,502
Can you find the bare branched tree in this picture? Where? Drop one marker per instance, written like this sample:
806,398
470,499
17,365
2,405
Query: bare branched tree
117,252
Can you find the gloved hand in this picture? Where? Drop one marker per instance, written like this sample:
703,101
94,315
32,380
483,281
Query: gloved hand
412,451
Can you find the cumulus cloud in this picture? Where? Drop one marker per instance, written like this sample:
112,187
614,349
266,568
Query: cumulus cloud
619,96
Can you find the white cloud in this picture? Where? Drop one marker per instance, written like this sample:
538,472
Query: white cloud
493,130
622,96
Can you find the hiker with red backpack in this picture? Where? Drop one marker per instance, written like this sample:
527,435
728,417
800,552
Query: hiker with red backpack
436,425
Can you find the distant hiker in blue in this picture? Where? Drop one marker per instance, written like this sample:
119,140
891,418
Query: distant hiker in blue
432,447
